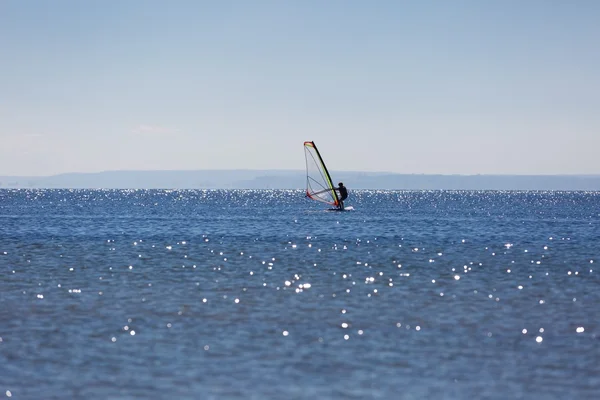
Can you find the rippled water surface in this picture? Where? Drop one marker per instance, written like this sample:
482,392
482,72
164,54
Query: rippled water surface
265,295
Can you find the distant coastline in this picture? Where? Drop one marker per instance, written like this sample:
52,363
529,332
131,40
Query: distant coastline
295,179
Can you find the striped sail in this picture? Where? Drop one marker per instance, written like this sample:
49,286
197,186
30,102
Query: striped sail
318,182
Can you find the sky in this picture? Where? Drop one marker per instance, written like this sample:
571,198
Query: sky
425,87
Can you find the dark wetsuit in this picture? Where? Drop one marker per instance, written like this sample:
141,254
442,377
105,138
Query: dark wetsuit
343,195
343,192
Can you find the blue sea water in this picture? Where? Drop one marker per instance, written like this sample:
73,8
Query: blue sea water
262,294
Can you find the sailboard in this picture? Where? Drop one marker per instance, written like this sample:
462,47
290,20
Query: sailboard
319,186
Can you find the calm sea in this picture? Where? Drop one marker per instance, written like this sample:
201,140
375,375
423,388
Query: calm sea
242,294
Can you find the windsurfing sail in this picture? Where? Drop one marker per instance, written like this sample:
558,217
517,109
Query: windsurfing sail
318,182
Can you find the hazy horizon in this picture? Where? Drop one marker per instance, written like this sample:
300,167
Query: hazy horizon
296,179
432,87
275,170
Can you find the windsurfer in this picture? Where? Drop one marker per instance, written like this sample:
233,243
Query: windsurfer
341,189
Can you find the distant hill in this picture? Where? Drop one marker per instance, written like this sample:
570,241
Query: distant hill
293,179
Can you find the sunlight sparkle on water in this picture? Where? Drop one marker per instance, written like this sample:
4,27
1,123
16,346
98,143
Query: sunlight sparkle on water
365,266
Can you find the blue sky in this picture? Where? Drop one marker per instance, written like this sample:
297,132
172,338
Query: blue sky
451,87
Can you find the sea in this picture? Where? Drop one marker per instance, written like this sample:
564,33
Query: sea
264,294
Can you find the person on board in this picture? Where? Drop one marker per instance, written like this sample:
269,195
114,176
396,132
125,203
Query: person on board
341,189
